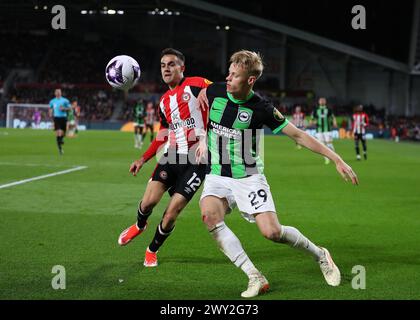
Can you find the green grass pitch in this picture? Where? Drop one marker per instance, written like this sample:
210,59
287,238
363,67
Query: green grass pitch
74,220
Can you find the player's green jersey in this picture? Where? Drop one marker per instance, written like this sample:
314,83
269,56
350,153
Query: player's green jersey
139,113
71,115
323,117
234,131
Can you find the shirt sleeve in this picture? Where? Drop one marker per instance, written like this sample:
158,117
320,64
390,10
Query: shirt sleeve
51,104
274,119
198,83
205,83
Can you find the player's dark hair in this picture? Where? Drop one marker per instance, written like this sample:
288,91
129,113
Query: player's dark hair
175,52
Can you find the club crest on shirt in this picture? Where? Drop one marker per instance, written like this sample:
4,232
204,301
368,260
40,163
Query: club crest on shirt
244,116
277,115
186,96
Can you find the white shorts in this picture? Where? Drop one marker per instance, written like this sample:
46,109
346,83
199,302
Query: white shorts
252,194
324,137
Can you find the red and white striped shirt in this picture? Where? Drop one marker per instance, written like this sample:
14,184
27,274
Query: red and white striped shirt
181,118
299,119
360,122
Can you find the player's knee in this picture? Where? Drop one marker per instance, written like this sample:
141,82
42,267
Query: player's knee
272,234
146,205
210,218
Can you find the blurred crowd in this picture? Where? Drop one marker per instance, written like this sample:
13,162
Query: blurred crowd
96,104
54,66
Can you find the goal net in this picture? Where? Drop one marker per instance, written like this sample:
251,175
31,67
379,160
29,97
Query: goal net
28,115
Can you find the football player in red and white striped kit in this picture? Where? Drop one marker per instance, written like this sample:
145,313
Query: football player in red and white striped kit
359,124
182,123
299,121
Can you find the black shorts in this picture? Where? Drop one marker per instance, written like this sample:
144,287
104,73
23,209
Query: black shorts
359,136
60,123
184,179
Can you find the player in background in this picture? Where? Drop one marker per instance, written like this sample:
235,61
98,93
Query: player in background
36,118
139,114
182,122
359,124
72,116
298,120
323,118
58,110
236,173
150,119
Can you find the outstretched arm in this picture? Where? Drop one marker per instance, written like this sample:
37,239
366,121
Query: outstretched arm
314,145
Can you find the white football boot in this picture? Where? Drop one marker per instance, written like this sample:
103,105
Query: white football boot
257,284
329,269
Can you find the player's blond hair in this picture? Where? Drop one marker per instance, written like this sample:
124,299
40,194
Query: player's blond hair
251,61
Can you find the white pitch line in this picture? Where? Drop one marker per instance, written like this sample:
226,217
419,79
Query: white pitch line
41,177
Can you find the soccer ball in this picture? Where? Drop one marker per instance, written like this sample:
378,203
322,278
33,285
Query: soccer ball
122,72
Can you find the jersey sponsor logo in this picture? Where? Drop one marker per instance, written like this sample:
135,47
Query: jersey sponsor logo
227,132
187,123
186,97
277,115
163,175
244,116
